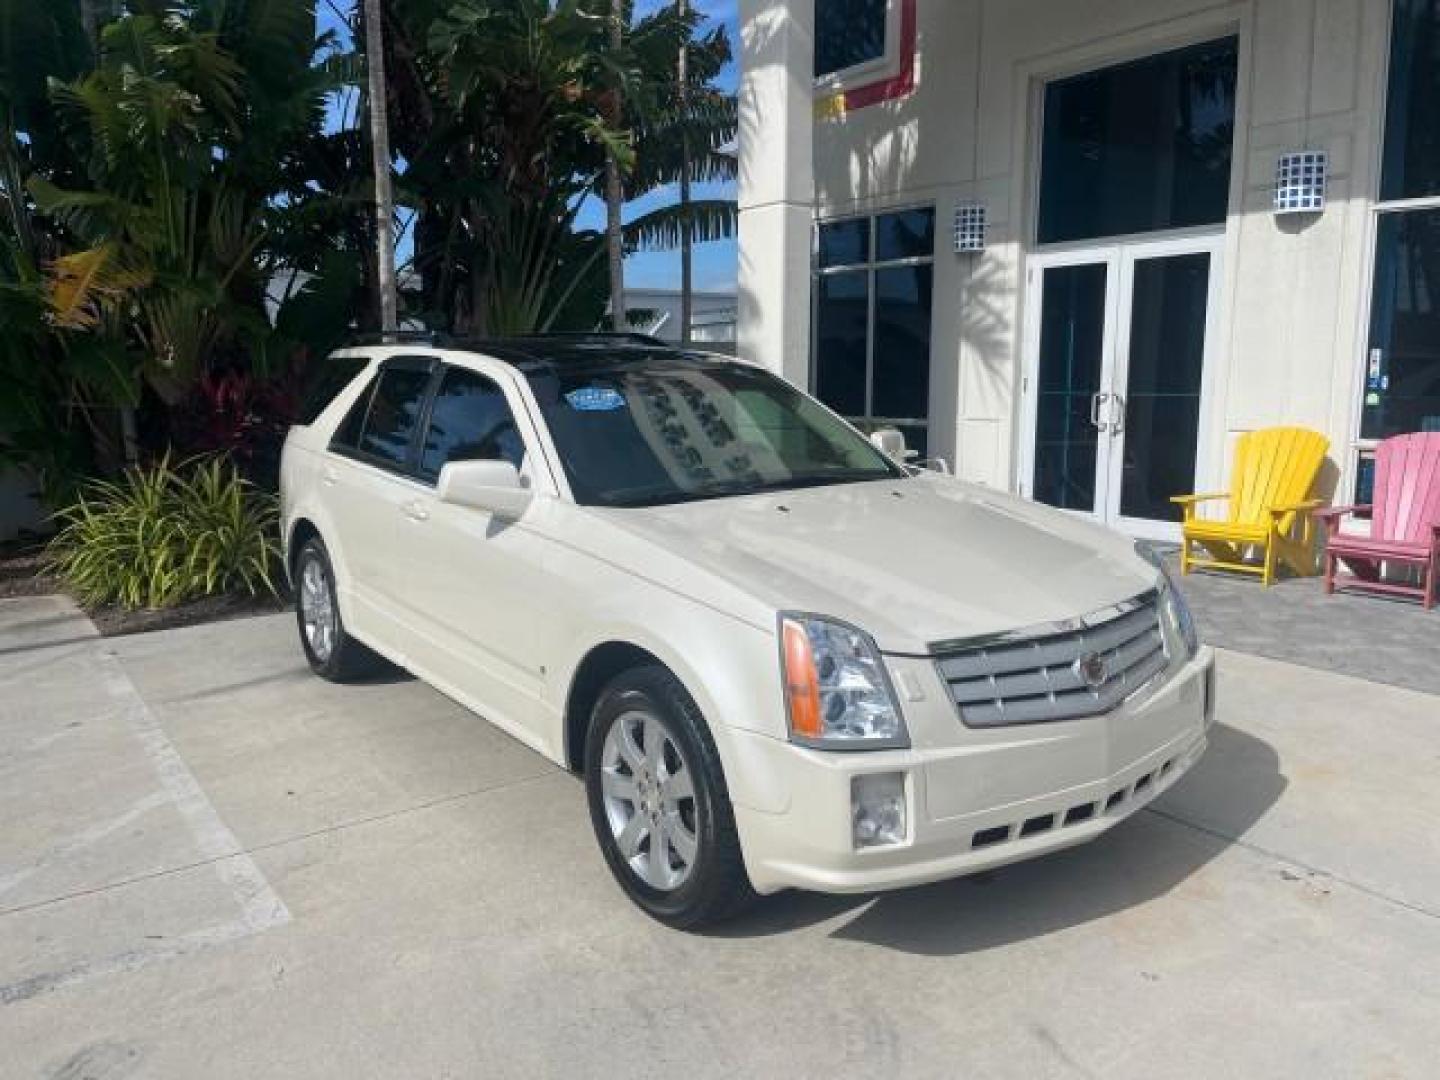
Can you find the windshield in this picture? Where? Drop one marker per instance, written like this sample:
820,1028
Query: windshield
647,433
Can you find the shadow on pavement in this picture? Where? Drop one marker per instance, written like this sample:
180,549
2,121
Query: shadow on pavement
1139,860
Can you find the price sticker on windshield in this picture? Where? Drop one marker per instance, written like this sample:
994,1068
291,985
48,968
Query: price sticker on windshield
595,399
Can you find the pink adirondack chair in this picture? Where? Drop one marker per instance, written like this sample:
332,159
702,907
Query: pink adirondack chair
1405,526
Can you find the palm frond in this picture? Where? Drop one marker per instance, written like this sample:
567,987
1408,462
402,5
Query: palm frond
83,283
661,229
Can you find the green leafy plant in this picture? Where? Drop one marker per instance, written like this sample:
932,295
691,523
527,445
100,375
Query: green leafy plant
165,534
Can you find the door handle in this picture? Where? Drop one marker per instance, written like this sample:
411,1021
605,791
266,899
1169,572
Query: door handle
1097,400
415,511
328,476
1117,415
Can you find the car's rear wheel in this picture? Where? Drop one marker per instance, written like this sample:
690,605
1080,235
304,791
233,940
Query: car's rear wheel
659,803
333,654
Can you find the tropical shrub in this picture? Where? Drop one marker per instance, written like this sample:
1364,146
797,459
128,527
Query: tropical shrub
164,534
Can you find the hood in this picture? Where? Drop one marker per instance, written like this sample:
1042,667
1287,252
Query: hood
911,562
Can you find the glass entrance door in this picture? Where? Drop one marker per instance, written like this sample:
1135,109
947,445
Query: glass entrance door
1114,385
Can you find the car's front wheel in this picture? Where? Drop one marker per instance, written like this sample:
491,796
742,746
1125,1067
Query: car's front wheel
333,654
659,803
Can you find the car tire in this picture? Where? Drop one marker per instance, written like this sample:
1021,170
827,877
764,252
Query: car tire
333,654
646,736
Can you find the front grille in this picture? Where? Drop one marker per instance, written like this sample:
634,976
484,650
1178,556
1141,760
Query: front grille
1040,676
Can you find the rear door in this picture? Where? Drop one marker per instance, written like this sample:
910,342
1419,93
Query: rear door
370,483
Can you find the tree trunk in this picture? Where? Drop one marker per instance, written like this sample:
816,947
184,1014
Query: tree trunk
94,14
614,192
687,269
380,160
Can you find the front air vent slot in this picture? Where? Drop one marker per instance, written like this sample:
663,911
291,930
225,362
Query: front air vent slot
985,837
1040,824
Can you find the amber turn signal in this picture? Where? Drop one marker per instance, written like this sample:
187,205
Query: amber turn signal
802,684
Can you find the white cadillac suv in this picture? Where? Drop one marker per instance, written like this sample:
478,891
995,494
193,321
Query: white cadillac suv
778,657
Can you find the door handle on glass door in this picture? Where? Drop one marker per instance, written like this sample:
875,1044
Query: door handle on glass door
416,511
1097,400
1117,415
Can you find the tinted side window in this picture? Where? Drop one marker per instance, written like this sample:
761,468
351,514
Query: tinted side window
469,421
347,435
333,375
394,414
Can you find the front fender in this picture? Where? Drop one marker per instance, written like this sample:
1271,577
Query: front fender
730,668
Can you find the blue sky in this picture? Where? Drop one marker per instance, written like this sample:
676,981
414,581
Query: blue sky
715,263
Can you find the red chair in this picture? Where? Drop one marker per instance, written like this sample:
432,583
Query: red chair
1404,528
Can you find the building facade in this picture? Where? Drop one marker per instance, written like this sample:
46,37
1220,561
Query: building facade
712,316
1077,247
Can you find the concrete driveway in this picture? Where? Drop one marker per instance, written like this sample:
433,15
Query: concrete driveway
214,865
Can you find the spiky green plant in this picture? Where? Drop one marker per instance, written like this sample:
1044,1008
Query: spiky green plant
165,534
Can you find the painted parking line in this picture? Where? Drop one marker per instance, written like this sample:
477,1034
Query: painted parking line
118,701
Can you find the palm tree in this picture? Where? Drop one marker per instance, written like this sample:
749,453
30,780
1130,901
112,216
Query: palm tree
180,127
687,242
614,184
681,136
380,163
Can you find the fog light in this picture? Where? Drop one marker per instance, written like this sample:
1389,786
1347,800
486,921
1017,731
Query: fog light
877,809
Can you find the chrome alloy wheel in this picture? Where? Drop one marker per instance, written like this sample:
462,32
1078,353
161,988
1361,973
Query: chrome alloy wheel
317,609
649,800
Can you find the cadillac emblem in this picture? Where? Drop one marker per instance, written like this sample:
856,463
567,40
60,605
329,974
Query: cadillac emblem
1092,670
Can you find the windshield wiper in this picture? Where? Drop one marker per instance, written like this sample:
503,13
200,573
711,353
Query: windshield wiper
735,488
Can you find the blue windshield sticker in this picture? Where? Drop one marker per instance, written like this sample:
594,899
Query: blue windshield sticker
595,399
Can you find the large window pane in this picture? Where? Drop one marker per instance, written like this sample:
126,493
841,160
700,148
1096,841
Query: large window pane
1412,130
1072,342
909,234
845,243
841,320
1402,384
1167,359
1140,146
848,33
394,412
902,342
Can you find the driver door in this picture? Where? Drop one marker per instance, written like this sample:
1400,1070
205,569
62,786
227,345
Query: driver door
477,588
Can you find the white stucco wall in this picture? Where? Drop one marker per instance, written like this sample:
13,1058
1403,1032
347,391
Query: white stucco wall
1295,293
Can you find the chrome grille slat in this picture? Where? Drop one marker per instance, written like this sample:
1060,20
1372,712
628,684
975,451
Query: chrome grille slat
1028,680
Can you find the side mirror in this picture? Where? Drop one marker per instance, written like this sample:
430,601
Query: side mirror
484,485
891,442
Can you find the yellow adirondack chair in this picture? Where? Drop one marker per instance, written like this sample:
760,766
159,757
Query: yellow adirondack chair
1270,506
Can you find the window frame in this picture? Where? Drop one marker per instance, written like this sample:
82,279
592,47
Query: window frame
1363,449
871,267
408,469
886,64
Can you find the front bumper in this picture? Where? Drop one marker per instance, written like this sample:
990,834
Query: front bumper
975,799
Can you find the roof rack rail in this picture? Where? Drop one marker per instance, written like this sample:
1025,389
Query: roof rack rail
438,338
399,337
598,337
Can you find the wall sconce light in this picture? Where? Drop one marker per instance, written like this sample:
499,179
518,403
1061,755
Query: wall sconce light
971,226
1300,182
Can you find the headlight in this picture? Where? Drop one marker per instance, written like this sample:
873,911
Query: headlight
837,695
1172,600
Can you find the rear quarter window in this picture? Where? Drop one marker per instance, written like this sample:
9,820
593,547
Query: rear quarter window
333,374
